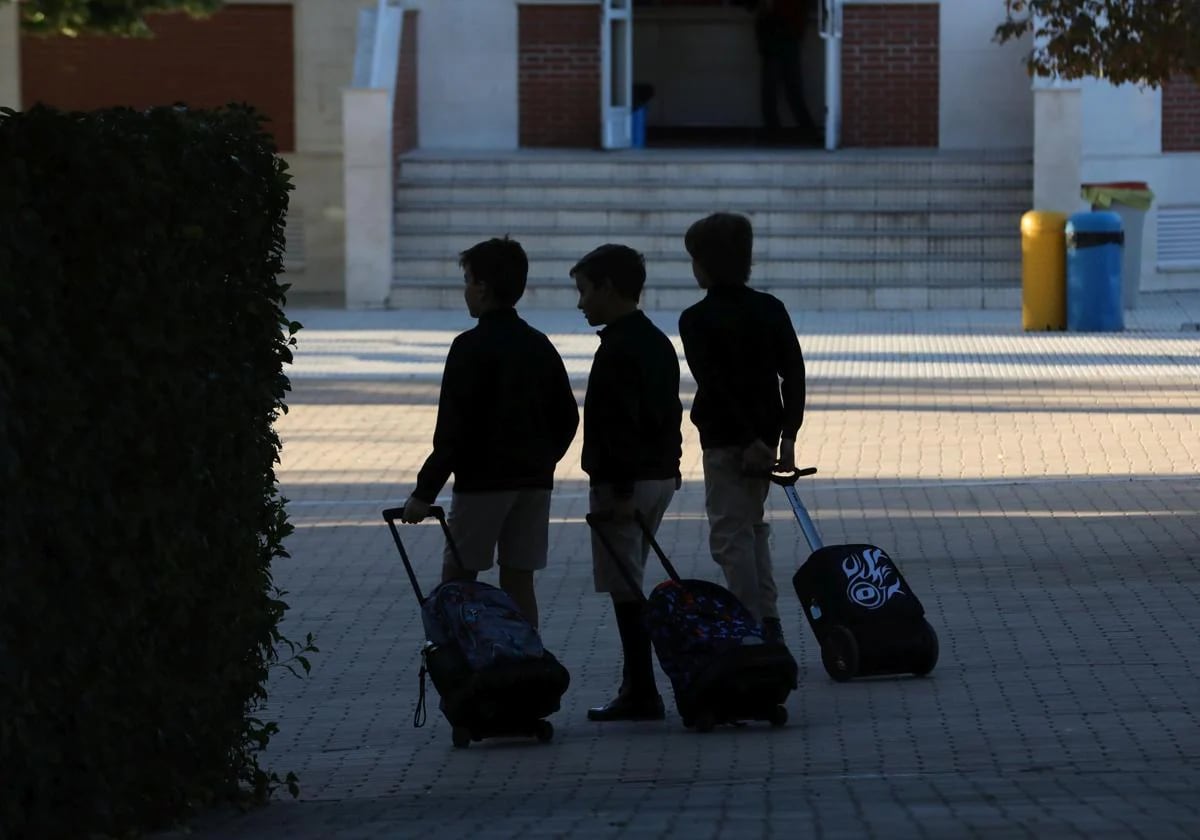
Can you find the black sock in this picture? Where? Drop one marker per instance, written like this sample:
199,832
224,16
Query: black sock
635,643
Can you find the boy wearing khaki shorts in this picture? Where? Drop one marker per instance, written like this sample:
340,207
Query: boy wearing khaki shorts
506,416
631,450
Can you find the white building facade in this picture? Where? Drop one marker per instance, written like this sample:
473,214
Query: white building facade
479,76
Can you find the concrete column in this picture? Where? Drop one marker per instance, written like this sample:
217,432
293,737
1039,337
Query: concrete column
1057,148
370,196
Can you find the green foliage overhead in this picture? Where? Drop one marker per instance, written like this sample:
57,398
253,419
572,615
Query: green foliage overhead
142,347
1140,41
102,17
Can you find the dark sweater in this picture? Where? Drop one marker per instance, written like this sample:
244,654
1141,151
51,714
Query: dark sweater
632,414
744,355
506,413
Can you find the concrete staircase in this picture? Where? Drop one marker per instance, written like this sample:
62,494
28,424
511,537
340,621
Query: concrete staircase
850,229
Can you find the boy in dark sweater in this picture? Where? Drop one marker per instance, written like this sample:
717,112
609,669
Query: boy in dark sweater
506,415
631,450
749,372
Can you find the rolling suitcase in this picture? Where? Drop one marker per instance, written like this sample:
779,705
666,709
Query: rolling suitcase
486,660
711,648
862,611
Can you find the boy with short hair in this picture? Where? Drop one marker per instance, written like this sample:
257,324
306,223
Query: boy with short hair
632,444
506,416
749,404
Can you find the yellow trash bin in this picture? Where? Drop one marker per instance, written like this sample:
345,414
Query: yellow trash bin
1043,270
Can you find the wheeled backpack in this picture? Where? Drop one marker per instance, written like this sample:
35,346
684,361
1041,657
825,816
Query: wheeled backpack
862,611
487,662
710,647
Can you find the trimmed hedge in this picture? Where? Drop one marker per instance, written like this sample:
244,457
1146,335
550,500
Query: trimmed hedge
102,17
142,344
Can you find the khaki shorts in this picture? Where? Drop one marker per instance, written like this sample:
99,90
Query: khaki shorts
651,498
509,526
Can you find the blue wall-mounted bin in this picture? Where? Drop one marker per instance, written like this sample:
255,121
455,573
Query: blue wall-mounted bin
1095,241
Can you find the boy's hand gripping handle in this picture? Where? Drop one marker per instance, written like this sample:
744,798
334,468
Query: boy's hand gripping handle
390,515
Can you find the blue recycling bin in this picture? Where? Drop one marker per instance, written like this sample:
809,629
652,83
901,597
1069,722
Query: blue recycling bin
1094,249
638,141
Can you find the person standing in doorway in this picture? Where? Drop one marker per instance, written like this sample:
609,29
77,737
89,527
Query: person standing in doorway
779,27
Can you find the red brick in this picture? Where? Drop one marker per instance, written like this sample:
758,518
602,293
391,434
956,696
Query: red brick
1181,115
890,74
558,75
243,53
404,108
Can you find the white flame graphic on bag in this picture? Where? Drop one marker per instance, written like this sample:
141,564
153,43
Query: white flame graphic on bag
871,584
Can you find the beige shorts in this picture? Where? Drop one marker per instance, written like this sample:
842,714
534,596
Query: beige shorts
651,498
508,526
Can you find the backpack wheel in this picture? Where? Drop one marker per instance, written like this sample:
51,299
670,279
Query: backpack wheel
460,736
706,721
839,653
928,657
544,731
778,716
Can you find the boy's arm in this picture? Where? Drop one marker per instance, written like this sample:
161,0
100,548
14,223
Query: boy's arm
792,389
564,408
451,426
615,377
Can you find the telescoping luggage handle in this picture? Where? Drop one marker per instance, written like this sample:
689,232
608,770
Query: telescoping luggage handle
787,480
392,514
594,521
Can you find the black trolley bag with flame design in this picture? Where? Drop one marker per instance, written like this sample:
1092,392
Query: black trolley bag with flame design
865,616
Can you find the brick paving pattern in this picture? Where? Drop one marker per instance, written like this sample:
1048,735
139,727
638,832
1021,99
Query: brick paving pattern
1040,493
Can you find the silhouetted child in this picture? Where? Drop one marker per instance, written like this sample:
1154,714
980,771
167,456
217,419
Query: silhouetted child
506,415
749,371
631,449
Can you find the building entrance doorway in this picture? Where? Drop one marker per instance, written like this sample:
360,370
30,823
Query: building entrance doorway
696,76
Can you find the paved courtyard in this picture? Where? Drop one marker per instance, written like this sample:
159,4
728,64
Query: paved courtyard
1040,492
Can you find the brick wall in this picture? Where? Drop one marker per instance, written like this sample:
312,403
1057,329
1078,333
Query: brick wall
404,110
1181,115
559,75
243,53
890,75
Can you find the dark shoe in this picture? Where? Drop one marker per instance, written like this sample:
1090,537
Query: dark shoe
629,706
772,630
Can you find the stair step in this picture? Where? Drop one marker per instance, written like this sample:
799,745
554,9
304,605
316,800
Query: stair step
814,169
514,218
767,246
675,270
417,294
664,195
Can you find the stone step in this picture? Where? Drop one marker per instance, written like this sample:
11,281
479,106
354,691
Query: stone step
802,169
676,270
767,246
901,230
618,222
662,195
418,294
